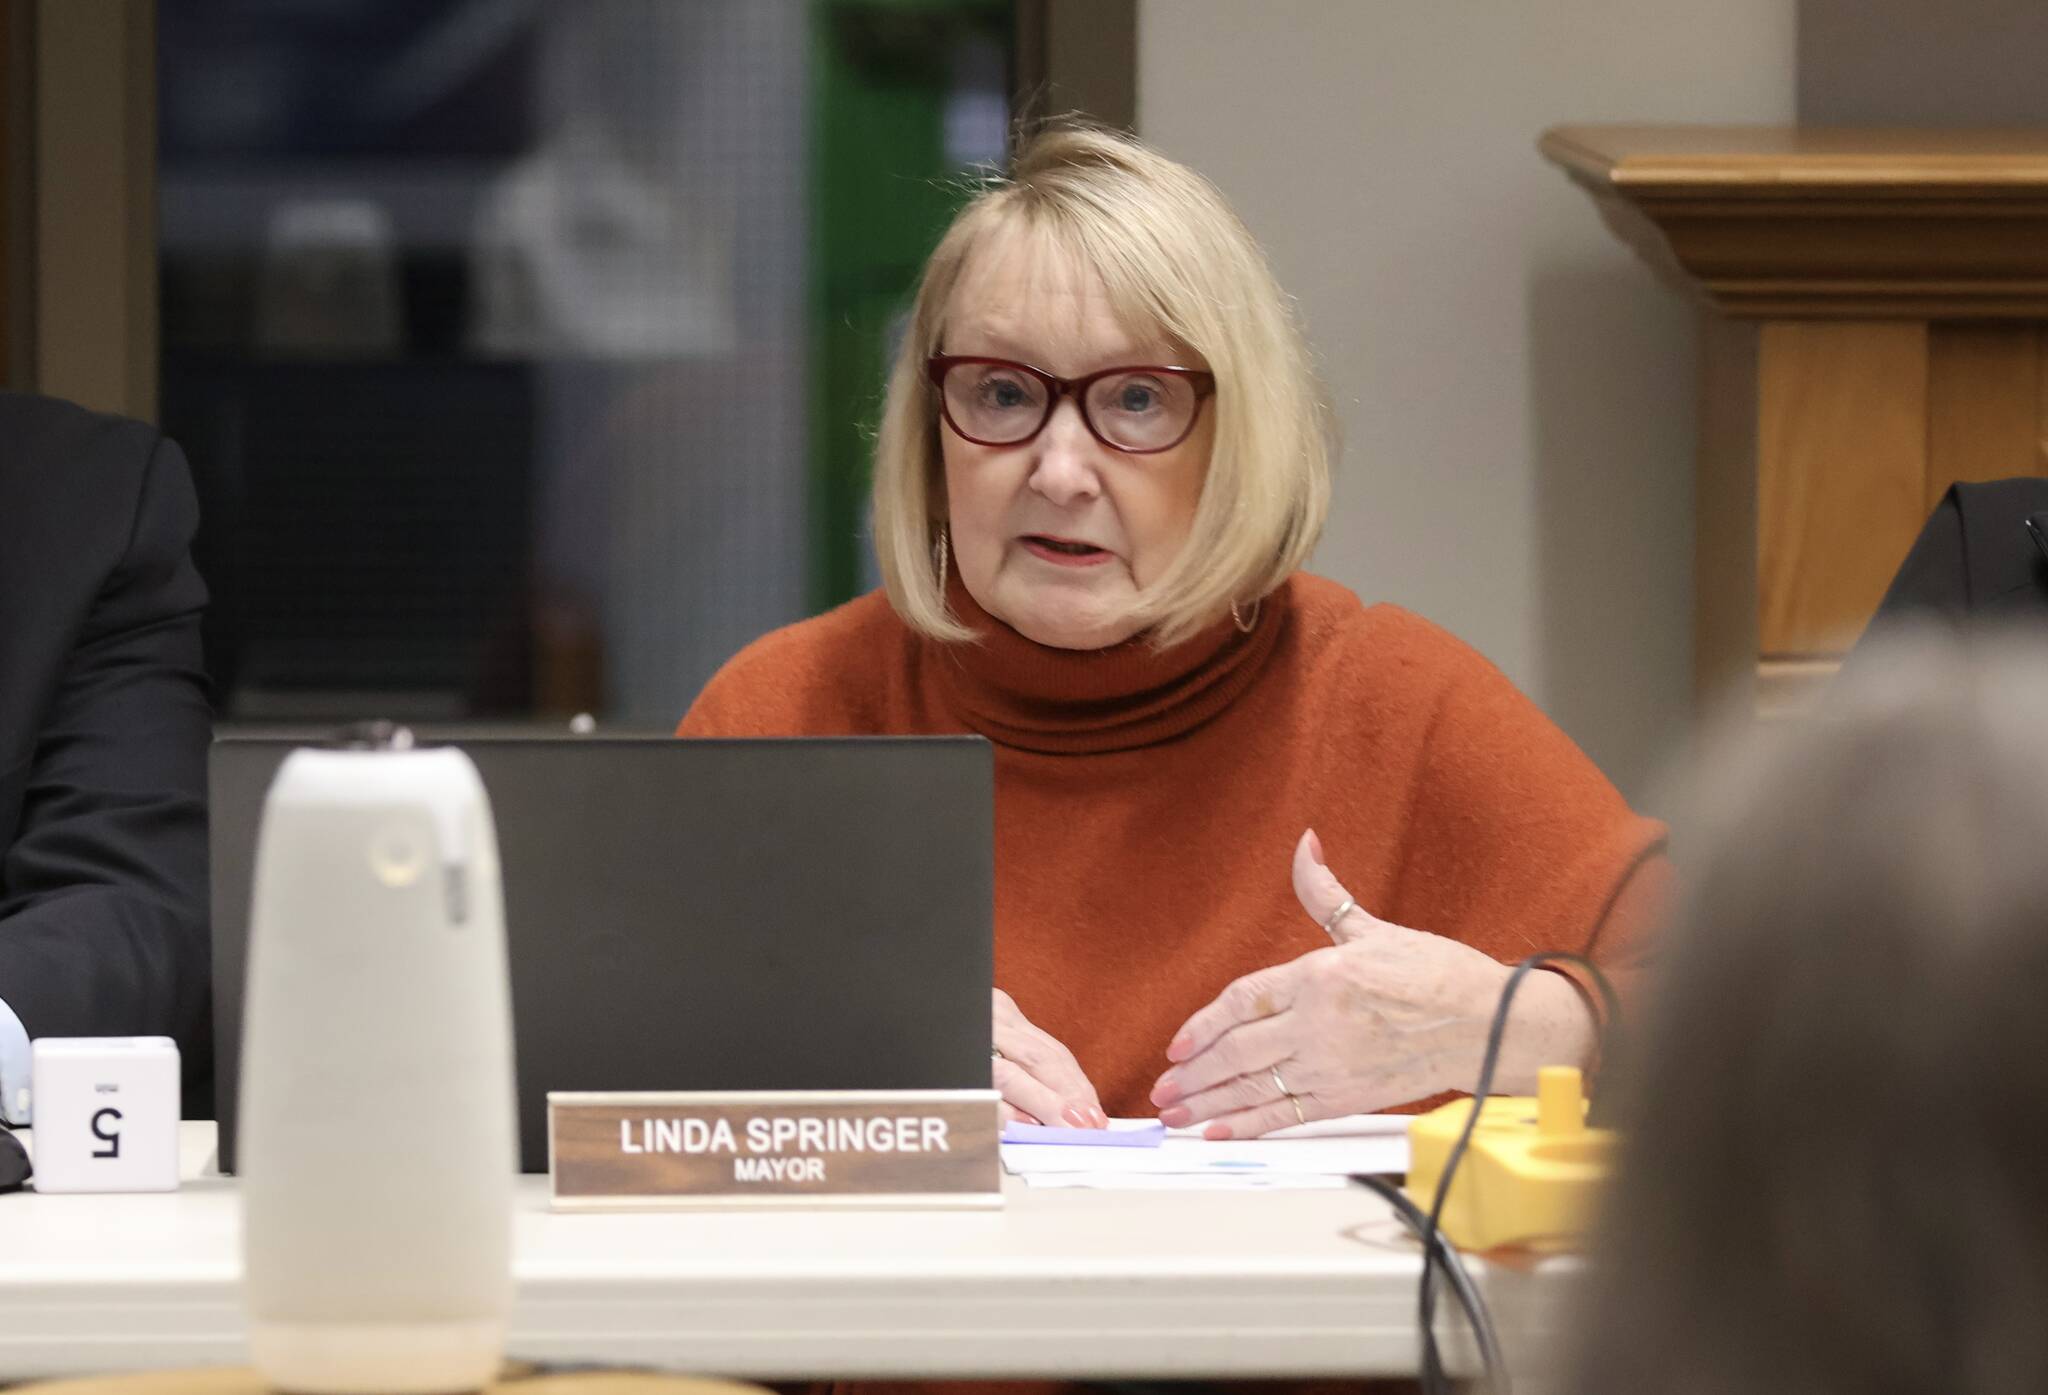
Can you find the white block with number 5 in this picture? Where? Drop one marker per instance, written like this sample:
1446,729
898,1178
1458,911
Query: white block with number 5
106,1114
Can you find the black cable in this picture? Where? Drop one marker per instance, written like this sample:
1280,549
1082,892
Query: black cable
1493,1368
1432,1359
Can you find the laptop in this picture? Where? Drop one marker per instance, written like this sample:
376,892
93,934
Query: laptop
810,914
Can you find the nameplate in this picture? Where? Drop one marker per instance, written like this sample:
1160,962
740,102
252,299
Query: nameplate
880,1148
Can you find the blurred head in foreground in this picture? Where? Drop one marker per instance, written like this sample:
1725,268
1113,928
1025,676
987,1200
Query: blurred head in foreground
1836,1169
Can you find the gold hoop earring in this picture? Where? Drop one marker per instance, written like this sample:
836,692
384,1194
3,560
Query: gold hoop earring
1238,619
941,556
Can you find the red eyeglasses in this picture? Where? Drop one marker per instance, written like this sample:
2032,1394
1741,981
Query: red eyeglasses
1140,409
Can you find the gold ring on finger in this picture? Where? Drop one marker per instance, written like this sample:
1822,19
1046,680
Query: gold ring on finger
1289,1095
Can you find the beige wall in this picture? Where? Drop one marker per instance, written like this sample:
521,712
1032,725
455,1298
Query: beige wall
1516,389
1909,63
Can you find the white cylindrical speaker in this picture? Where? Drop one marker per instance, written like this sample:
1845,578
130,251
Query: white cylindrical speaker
378,1145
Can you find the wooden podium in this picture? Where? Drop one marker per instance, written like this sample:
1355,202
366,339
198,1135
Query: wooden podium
1874,304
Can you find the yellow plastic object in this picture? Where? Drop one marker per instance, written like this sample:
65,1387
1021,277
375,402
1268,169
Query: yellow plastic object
1532,1170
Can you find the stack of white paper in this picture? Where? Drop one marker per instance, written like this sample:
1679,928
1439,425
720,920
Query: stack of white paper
1322,1154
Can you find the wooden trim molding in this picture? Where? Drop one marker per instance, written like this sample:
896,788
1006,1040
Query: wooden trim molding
1841,476
1787,222
95,281
1077,56
1873,310
17,191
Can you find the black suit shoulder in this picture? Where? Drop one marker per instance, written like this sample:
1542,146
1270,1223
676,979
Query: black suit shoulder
49,425
62,464
1975,557
104,725
2005,565
97,516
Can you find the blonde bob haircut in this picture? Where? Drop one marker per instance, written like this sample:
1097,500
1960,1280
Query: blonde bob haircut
1171,256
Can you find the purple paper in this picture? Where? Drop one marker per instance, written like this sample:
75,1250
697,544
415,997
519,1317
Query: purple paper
1122,1133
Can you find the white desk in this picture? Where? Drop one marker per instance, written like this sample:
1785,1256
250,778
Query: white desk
1057,1283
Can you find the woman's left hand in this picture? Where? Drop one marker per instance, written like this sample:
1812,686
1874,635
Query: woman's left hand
1385,1016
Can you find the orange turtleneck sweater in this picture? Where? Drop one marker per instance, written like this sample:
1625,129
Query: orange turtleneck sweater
1147,804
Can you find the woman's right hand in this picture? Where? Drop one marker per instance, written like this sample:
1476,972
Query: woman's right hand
1039,1079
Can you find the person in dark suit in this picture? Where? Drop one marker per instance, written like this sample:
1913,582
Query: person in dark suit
104,725
1982,555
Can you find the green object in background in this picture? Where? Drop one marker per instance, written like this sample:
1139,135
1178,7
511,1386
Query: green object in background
883,76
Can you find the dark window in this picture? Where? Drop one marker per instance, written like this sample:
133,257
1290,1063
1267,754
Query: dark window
526,352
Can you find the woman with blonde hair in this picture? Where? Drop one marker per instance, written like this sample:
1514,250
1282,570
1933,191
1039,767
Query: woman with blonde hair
1261,850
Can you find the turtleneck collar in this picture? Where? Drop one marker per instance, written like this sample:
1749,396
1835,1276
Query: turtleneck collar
1085,702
